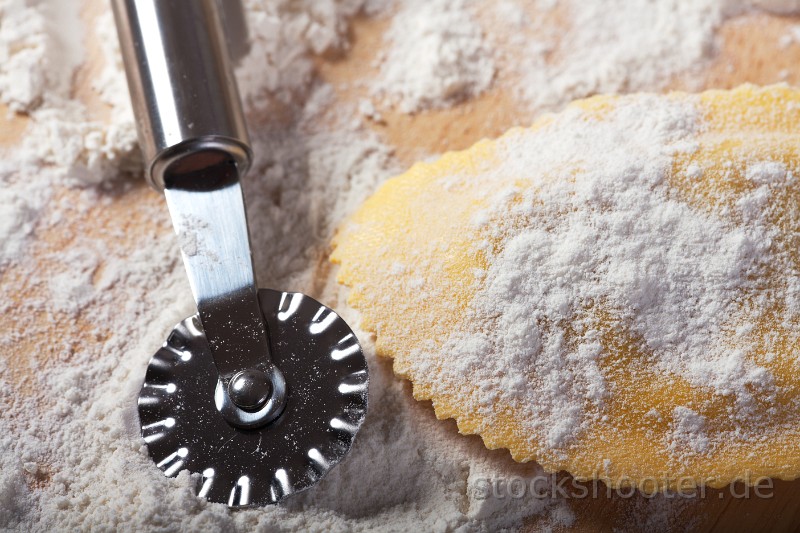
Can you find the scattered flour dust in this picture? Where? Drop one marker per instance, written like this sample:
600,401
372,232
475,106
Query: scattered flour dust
72,458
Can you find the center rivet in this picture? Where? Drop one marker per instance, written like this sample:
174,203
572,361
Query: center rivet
249,389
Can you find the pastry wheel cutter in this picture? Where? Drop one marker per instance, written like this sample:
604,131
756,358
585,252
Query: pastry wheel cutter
261,392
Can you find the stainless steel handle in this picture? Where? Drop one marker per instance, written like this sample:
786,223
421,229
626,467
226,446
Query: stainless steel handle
195,144
181,82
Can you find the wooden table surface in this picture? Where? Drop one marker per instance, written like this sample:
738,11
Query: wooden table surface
750,52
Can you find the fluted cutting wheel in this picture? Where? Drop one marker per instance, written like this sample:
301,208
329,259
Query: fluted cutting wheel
326,379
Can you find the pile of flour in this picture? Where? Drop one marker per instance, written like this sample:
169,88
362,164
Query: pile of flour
438,56
72,455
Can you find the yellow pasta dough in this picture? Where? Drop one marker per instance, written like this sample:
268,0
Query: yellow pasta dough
614,291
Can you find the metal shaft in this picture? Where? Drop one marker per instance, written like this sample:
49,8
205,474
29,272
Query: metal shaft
181,82
195,145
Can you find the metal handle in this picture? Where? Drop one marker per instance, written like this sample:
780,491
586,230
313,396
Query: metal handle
181,82
195,144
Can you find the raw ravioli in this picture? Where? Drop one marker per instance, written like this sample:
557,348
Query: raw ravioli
614,291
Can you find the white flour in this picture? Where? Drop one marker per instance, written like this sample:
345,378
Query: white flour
549,52
72,458
438,56
607,47
37,58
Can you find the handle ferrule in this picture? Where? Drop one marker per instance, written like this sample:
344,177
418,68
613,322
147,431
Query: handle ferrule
181,82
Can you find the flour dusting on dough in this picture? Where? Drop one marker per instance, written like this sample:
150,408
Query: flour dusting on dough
622,272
